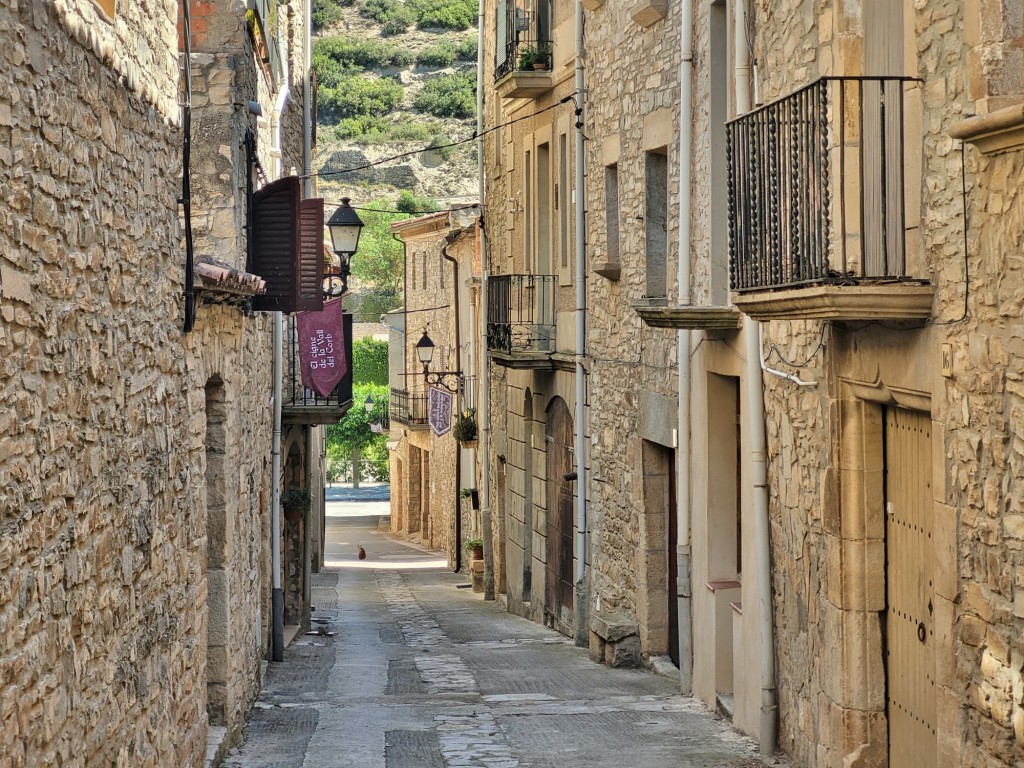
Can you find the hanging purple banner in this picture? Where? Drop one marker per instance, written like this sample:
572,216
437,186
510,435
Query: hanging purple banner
322,348
439,407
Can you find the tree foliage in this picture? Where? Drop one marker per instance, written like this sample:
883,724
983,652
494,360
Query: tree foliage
370,362
353,432
380,260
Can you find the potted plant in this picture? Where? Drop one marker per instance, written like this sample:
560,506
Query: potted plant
534,57
476,548
295,501
464,429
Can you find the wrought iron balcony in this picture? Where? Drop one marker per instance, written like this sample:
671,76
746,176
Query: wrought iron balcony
522,58
823,218
409,408
300,405
521,320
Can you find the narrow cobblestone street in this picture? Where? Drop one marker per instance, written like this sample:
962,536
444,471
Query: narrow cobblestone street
408,668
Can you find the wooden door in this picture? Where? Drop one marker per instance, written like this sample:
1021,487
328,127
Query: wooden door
559,582
910,631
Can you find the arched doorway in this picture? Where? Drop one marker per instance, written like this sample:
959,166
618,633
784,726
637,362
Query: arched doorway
558,603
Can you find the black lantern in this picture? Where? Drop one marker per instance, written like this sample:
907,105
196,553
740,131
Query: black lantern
368,404
450,380
345,226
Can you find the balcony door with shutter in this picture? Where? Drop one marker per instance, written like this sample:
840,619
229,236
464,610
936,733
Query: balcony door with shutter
883,160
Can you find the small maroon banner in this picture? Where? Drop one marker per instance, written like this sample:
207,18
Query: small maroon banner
322,348
439,415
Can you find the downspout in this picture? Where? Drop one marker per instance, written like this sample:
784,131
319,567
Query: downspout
580,604
277,592
450,238
683,584
758,447
485,402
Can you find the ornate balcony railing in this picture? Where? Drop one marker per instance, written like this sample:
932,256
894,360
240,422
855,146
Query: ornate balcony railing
521,314
818,187
409,408
521,28
305,406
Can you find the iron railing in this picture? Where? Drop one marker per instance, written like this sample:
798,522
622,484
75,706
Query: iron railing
298,396
521,313
409,408
517,27
817,186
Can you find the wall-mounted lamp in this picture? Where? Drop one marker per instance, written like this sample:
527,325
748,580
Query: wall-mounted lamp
345,226
450,380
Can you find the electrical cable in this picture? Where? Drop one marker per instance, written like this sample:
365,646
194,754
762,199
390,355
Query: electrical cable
474,137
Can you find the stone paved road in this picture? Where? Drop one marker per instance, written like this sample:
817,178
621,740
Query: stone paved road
410,670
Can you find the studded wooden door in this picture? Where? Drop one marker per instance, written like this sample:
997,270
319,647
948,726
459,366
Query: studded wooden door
910,632
559,576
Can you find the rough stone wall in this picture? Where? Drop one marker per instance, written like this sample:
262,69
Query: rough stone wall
99,559
976,411
632,78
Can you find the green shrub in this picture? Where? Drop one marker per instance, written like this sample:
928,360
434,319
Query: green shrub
354,54
440,55
466,50
369,362
359,126
357,96
448,95
393,15
324,14
414,204
441,144
447,14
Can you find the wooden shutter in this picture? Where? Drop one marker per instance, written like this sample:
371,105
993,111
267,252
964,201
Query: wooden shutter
275,216
310,266
501,34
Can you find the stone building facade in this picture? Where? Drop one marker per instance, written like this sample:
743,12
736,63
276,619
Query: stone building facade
863,597
530,178
442,298
134,458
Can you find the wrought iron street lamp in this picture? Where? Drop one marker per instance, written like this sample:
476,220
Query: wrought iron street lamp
450,380
368,404
345,226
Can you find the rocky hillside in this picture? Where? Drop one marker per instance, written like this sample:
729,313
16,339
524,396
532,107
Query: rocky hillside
394,78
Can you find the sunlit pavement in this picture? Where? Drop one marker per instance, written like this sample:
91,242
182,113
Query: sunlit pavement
408,668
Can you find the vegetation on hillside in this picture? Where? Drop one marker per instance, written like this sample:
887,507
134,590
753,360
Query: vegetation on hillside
451,95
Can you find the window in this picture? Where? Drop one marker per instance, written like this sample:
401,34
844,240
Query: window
656,221
561,201
611,212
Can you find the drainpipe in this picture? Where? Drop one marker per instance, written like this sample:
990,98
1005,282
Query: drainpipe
450,238
582,629
485,403
277,591
758,447
683,585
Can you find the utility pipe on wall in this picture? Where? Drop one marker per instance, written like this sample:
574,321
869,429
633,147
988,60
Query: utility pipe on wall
580,601
758,446
277,592
683,581
485,401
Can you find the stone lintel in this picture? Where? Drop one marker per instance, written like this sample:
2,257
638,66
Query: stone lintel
999,131
592,5
649,12
882,301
